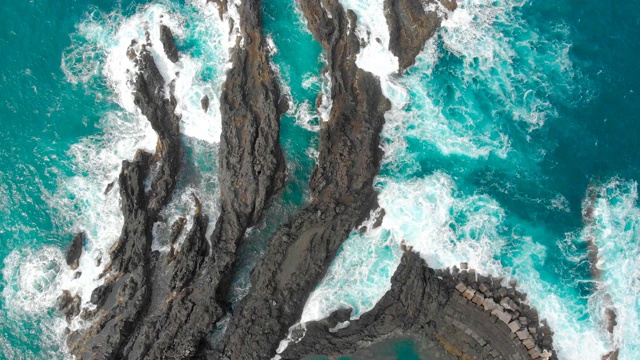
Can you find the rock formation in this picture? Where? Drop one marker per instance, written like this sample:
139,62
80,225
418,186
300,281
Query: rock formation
468,319
163,306
166,37
300,252
411,23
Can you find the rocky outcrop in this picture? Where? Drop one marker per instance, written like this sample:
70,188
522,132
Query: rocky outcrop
126,292
69,304
156,305
74,251
468,320
165,305
252,167
411,23
166,38
300,252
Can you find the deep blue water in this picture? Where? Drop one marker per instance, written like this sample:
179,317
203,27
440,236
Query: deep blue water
510,113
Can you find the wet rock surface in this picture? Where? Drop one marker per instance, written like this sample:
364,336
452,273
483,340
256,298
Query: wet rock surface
300,252
411,23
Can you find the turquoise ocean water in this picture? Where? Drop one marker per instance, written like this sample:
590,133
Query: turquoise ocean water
512,111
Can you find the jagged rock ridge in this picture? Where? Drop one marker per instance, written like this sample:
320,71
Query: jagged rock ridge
155,305
300,252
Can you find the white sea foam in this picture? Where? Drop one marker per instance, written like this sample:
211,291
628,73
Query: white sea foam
444,226
616,233
490,37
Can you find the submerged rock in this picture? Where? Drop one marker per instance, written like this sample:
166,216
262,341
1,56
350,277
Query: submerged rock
69,305
204,102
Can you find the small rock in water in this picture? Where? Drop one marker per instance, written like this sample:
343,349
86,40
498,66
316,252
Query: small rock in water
109,187
204,102
69,304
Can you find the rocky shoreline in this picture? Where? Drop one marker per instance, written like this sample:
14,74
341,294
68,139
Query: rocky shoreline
166,305
471,316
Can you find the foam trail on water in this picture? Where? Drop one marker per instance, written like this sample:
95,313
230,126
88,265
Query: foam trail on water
32,284
615,232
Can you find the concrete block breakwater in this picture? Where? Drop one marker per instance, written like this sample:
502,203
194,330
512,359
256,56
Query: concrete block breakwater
482,315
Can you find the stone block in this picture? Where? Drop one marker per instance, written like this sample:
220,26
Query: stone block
478,299
488,304
481,341
497,309
461,287
546,354
469,293
502,291
535,353
533,330
505,318
528,343
508,304
484,288
523,334
523,320
514,326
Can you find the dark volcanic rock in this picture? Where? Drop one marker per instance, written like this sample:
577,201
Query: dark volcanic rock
252,166
166,37
411,23
299,253
425,306
128,288
416,295
127,292
74,251
69,305
160,111
163,306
